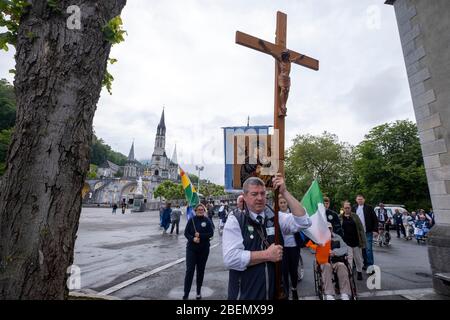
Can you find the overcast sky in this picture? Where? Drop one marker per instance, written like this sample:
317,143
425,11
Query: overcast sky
181,54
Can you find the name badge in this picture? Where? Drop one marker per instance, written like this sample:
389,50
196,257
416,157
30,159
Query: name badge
270,231
203,224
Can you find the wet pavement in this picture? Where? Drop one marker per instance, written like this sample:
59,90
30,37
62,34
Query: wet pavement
128,257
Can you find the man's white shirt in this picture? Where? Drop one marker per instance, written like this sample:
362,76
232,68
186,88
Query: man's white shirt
234,254
360,213
381,215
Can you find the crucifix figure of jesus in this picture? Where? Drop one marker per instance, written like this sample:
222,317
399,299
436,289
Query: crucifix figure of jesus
283,59
284,81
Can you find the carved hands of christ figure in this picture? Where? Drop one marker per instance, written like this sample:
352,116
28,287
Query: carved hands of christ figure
284,81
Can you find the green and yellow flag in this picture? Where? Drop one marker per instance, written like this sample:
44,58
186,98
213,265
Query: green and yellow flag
189,190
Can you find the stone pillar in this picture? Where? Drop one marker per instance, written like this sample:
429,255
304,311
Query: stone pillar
424,28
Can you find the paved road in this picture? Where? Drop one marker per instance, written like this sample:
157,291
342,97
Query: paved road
128,257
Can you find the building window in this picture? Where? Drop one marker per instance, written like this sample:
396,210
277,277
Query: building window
156,172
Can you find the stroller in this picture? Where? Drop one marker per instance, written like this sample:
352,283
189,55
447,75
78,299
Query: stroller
421,230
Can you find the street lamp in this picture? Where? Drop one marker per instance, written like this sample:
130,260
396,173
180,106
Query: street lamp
199,169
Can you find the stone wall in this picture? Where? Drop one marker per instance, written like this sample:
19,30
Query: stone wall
425,41
424,28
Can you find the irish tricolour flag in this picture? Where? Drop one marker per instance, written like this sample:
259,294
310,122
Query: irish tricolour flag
313,204
190,194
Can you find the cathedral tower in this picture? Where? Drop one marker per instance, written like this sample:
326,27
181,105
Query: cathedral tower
130,169
159,157
160,139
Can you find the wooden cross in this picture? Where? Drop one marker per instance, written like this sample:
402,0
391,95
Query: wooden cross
283,59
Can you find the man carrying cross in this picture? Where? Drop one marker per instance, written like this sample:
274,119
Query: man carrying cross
248,241
254,256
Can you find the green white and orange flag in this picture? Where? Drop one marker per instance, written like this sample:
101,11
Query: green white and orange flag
189,190
313,204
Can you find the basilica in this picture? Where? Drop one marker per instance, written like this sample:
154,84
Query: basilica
110,188
160,167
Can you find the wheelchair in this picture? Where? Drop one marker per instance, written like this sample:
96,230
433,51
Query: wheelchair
384,237
421,234
318,280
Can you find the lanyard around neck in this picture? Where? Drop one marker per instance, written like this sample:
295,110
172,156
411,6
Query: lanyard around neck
259,228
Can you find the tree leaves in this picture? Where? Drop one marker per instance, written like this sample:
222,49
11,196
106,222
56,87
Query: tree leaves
113,31
5,139
387,166
169,190
107,81
209,189
114,34
100,152
53,5
92,173
108,78
10,14
318,157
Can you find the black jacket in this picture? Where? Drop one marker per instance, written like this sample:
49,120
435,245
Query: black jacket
370,218
398,219
204,227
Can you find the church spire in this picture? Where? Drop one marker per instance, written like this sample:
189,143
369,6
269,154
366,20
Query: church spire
131,154
162,125
160,139
174,155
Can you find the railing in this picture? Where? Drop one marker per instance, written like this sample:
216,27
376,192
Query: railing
156,204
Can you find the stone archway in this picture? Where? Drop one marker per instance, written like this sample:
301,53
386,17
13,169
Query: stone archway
98,185
128,191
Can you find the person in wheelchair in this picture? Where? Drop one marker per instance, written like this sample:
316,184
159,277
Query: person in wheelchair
421,227
384,222
332,260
